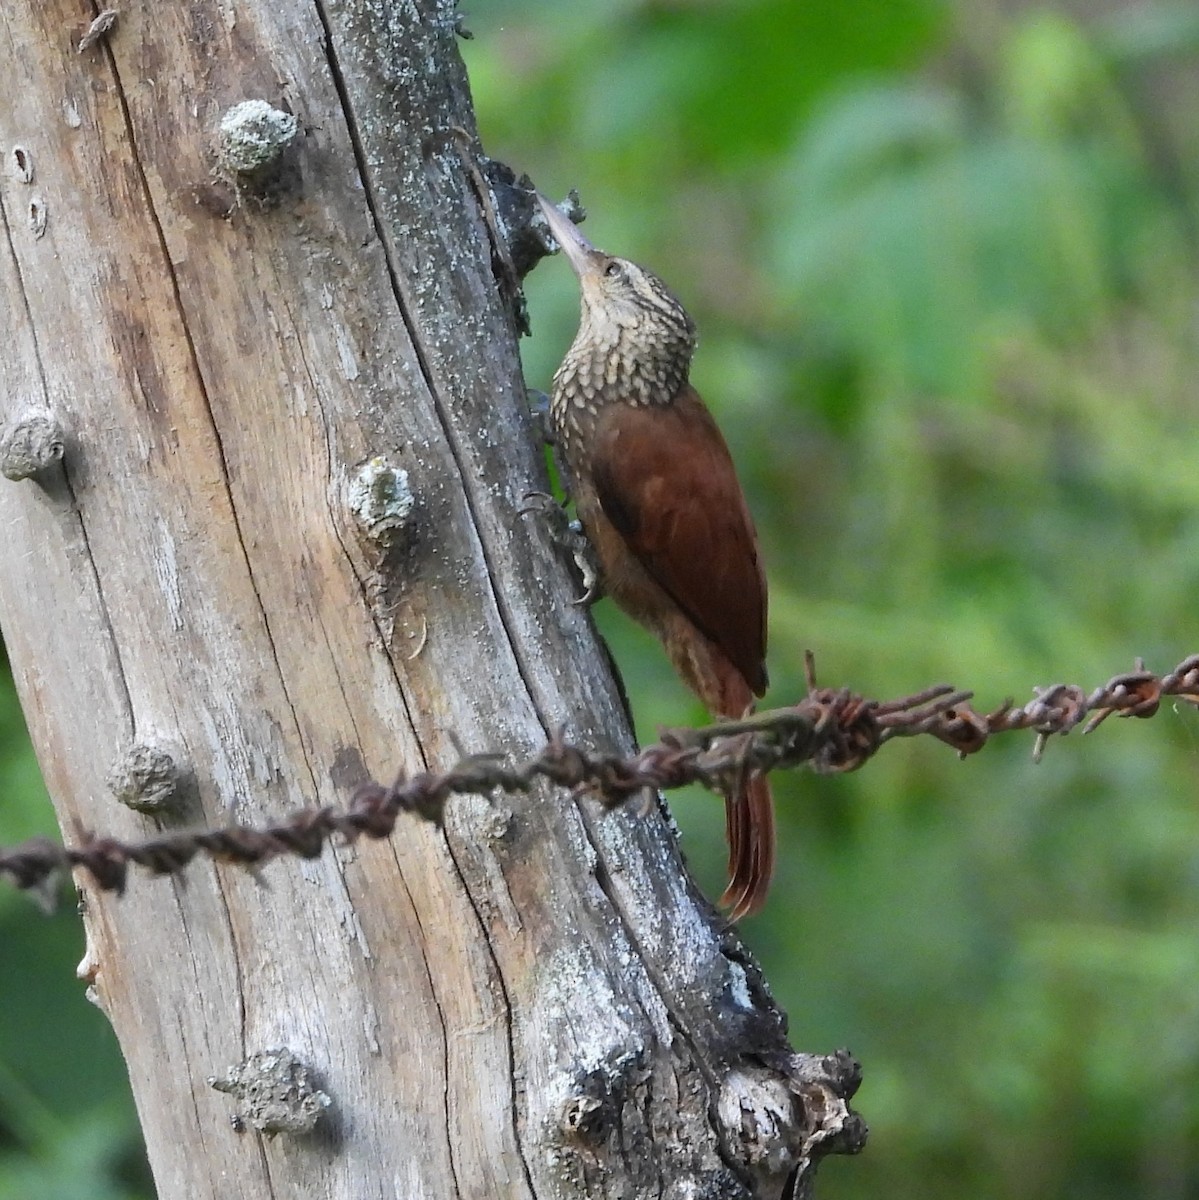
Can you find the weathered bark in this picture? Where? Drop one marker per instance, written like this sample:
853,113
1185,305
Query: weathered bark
531,1001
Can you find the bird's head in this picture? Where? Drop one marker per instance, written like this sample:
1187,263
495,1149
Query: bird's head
627,312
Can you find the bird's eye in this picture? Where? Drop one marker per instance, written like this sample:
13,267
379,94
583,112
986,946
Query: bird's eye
614,270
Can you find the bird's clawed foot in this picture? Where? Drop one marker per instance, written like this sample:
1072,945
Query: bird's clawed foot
569,536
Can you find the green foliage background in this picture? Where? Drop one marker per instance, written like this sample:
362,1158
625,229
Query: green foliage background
943,260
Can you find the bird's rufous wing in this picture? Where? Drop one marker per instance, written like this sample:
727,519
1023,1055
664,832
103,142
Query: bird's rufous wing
665,479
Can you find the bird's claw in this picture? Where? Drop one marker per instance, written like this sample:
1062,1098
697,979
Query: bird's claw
583,553
570,537
538,502
590,596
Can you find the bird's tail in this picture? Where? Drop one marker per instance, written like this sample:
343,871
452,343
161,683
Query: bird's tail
749,809
749,818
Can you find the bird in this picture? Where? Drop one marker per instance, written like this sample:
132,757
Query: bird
656,492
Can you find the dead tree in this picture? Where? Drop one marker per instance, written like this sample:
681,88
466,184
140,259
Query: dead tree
259,368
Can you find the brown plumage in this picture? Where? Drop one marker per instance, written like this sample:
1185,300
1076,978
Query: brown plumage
656,491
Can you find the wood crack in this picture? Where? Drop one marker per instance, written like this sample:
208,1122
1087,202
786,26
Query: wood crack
428,375
69,487
427,371
202,386
445,1040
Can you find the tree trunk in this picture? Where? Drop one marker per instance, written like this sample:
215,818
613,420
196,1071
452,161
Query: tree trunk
530,1001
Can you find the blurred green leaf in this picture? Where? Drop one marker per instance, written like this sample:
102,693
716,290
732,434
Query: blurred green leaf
919,245
84,1162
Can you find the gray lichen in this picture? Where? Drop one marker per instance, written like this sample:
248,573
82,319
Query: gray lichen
29,443
253,136
149,778
253,139
275,1093
381,500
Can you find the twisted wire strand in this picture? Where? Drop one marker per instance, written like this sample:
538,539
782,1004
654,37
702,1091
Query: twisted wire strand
831,730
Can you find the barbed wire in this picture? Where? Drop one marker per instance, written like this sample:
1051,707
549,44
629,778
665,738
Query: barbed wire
830,730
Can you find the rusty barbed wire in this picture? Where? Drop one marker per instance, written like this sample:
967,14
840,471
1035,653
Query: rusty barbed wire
831,730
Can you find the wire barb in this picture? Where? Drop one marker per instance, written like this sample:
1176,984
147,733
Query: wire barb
832,730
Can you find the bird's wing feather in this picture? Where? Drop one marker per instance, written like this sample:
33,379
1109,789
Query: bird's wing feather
665,479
